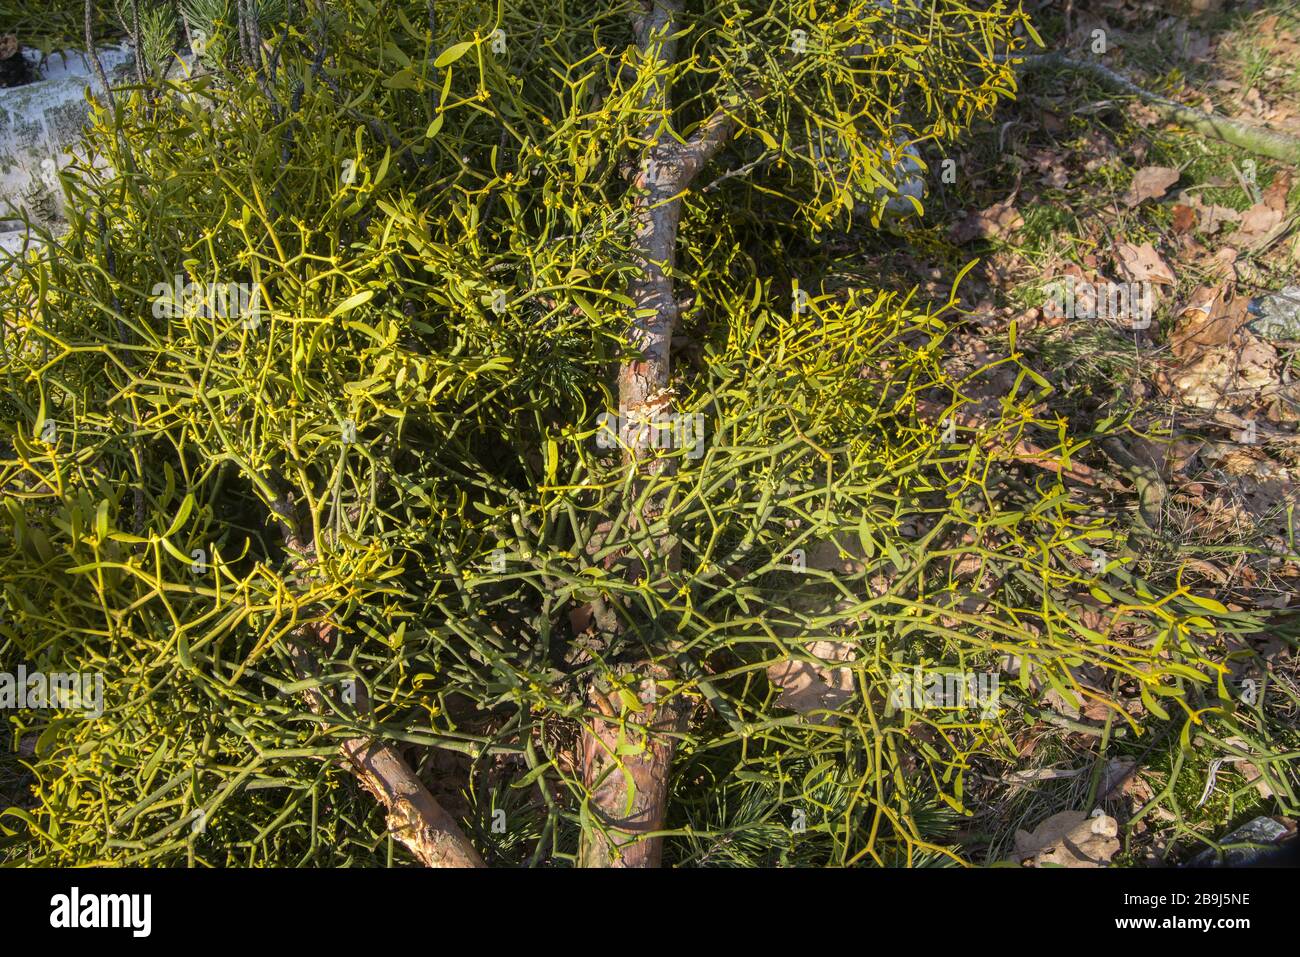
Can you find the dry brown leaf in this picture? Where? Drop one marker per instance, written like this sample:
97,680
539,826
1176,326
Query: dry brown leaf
1184,218
1061,704
1116,776
999,220
1222,265
1212,318
1257,224
1051,167
1095,710
1225,376
1151,182
1069,839
841,554
1212,217
1143,264
807,686
1274,197
581,618
1248,771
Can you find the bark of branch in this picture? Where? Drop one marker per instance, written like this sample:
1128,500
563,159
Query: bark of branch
137,42
415,818
629,792
94,57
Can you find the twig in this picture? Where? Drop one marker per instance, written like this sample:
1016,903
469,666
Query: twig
94,57
138,42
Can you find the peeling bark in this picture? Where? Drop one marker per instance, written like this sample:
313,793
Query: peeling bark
629,796
414,816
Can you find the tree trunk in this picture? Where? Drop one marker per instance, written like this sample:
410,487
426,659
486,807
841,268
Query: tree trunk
629,792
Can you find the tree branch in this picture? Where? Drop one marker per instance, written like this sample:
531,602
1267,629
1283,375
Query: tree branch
629,792
415,818
94,57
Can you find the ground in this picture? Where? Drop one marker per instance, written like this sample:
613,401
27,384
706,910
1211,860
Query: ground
1075,181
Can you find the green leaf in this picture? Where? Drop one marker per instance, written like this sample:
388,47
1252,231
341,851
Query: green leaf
187,506
352,302
552,460
1209,604
1149,700
101,521
406,79
452,54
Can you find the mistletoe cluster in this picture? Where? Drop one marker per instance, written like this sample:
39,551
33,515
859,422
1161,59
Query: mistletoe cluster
301,443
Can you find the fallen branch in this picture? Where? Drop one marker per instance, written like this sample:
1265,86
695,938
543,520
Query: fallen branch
1248,136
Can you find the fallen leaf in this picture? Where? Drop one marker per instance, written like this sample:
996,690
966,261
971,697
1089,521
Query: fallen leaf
1184,218
1116,777
1143,115
1248,771
1223,264
807,686
581,618
1257,224
1213,217
1226,376
1212,318
1274,197
1061,704
1143,264
999,220
1051,166
839,554
1151,182
1069,839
